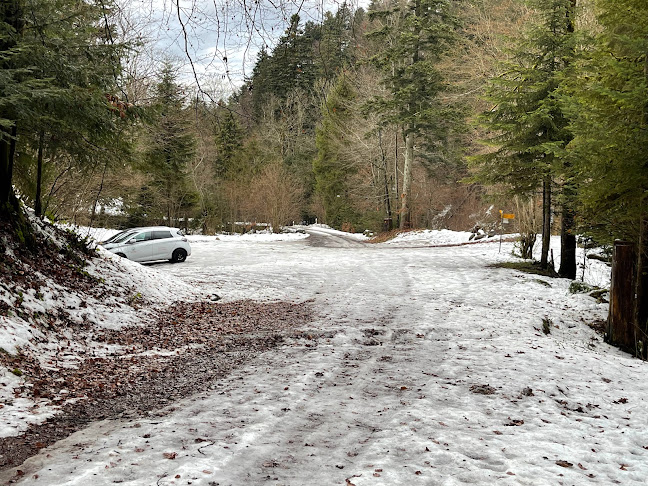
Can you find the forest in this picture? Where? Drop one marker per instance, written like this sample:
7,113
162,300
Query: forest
404,114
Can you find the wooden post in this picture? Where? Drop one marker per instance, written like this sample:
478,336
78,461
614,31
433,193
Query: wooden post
620,329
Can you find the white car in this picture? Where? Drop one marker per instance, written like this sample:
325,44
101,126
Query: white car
150,244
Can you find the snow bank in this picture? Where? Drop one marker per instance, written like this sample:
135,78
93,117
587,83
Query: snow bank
327,229
592,272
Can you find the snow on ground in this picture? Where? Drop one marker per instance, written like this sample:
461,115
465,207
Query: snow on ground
592,272
325,229
149,284
18,413
426,366
433,238
259,237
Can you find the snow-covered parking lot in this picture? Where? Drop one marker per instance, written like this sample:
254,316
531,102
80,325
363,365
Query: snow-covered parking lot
423,365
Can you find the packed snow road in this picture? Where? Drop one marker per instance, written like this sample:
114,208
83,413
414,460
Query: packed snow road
421,366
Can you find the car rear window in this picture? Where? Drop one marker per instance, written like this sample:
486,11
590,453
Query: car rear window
160,235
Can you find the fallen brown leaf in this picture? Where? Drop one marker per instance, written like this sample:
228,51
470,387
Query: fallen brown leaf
514,422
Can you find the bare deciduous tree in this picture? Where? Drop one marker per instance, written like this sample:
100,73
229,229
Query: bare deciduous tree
276,195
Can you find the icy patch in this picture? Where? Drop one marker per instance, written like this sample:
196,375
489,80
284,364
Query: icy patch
248,237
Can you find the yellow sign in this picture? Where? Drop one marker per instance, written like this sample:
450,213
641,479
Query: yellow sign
508,216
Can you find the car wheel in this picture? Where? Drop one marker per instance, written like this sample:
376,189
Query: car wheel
121,255
179,255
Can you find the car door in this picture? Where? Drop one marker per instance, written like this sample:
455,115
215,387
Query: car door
161,247
138,248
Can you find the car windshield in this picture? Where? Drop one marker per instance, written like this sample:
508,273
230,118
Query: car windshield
122,236
115,236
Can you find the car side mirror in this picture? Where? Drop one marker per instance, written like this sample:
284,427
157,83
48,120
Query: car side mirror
131,241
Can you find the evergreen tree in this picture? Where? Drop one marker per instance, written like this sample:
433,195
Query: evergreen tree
333,42
171,147
610,124
290,67
527,119
229,142
331,170
12,92
58,66
261,84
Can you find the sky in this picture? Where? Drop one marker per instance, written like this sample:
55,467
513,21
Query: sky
216,42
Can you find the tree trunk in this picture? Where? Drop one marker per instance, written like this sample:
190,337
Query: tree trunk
641,290
386,195
546,222
406,201
567,237
38,207
168,202
93,214
397,192
7,155
641,278
405,212
567,246
5,172
388,211
11,14
620,328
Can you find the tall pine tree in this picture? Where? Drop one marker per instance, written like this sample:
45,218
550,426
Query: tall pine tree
331,169
171,147
529,127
